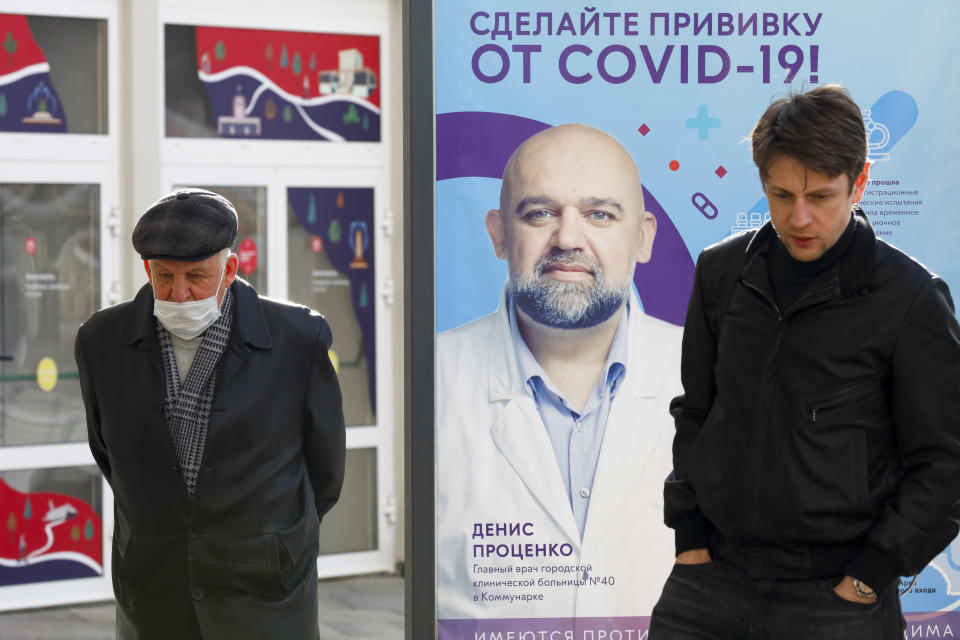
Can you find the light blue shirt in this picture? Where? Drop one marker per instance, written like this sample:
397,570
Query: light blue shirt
576,437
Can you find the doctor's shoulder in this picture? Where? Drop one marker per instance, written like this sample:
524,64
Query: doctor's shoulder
465,348
661,349
666,336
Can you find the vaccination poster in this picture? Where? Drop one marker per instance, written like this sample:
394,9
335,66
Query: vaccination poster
680,86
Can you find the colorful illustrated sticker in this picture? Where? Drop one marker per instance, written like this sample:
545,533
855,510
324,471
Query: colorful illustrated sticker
248,254
359,240
336,97
29,101
47,374
47,536
333,241
334,360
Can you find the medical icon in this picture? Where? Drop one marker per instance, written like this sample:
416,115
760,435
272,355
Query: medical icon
888,120
755,218
878,137
702,204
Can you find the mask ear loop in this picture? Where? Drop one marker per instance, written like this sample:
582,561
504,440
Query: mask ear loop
223,274
152,286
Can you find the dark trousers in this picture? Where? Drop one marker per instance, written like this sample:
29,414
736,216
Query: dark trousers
717,601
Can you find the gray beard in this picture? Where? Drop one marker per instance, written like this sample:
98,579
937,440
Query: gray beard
568,305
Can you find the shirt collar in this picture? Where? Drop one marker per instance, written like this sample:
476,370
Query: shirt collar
530,370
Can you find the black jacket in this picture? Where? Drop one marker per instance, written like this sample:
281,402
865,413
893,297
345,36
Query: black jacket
823,439
239,560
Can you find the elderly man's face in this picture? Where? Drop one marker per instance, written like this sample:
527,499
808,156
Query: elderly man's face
178,281
572,226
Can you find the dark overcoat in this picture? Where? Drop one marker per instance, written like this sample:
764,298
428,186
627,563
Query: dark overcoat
239,559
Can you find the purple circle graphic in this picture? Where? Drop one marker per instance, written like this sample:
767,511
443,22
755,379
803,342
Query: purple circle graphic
478,144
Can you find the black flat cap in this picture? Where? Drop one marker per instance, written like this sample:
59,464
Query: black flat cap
188,225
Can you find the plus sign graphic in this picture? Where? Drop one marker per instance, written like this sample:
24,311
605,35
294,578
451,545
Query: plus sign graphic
702,123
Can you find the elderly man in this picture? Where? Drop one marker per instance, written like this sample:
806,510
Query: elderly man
552,426
817,450
215,416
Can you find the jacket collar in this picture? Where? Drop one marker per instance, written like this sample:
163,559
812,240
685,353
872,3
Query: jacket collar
249,325
856,267
139,326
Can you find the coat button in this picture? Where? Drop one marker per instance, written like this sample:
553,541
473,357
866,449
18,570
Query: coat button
194,534
584,493
197,594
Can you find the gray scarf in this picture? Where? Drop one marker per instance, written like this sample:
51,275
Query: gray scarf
187,407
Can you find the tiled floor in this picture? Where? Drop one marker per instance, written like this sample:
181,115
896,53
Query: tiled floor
368,607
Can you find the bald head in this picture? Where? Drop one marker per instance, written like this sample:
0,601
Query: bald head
571,153
571,226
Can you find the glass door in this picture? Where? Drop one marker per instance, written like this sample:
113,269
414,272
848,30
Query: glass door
337,263
58,264
55,509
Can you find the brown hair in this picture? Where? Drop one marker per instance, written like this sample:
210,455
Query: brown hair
822,129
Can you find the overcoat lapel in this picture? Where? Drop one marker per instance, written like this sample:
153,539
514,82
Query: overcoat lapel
249,331
233,358
140,335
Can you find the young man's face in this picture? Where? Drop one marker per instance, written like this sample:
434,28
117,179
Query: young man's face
809,209
572,227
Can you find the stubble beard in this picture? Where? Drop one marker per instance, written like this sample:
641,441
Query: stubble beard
563,304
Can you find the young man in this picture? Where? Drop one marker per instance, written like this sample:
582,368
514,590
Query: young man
817,448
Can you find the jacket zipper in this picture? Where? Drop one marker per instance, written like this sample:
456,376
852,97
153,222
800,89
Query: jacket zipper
798,305
839,400
759,439
763,295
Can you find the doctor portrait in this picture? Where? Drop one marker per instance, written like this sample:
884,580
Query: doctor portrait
553,429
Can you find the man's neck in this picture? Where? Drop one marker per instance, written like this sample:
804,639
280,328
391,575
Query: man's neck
791,277
574,359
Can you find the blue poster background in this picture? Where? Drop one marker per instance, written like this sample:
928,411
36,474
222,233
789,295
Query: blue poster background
687,126
873,53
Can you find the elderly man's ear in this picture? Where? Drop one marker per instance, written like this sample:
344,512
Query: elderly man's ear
648,230
494,222
232,269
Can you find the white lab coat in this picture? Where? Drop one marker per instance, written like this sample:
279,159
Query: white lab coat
495,465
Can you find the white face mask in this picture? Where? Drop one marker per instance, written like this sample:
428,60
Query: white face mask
187,320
